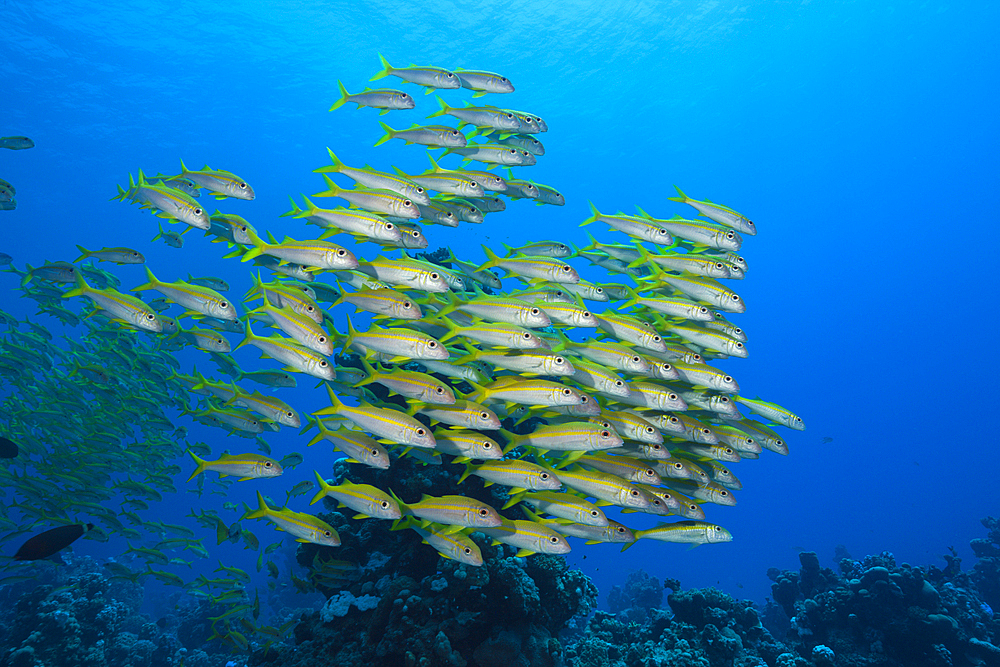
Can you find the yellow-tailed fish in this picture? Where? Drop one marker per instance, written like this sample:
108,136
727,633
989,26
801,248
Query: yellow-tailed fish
302,329
389,424
562,505
385,99
304,527
515,473
466,445
687,532
772,411
376,180
294,356
720,214
411,384
245,466
459,511
169,202
197,299
456,546
462,413
120,306
221,184
358,446
529,537
483,82
374,200
114,255
365,499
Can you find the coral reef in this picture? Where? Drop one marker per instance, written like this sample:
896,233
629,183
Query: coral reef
80,617
875,612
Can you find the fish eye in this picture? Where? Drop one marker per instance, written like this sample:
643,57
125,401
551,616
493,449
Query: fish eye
389,225
374,452
267,464
534,311
323,363
150,316
321,339
197,211
727,378
484,415
467,551
706,431
586,314
723,492
544,475
487,444
407,304
661,232
420,190
526,336
618,383
724,399
309,309
385,504
223,304
454,133
434,274
566,392
656,339
432,344
636,360
326,533
560,360
439,390
567,267
243,186
720,265
633,492
605,434
421,431
483,512
673,420
510,115
678,466
407,202
736,297
513,152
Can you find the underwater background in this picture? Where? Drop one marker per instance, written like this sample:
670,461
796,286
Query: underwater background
860,137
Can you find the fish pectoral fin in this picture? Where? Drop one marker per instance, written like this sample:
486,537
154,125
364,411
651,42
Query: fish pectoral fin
524,552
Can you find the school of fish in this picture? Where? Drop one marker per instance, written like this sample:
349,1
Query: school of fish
577,396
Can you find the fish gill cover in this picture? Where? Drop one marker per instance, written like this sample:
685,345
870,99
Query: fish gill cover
544,401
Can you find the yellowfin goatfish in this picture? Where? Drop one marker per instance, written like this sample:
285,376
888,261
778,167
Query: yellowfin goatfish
388,202
437,136
245,466
720,214
16,143
367,500
687,532
304,527
456,546
385,99
170,202
483,82
294,356
313,253
121,306
115,255
392,425
431,78
529,537
221,184
376,180
197,299
774,412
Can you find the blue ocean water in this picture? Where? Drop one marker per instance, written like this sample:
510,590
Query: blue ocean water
860,137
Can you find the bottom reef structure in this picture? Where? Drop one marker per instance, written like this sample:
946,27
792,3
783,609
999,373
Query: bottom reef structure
416,609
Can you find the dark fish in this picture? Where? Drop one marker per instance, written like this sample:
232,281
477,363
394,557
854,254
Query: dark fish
52,541
8,449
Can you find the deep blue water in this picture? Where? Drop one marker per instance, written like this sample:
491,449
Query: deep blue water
857,135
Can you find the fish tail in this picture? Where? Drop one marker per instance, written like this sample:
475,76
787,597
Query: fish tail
295,212
335,403
634,297
469,469
248,335
343,96
453,330
81,288
351,335
27,276
386,69
442,111
261,511
332,190
682,198
592,218
202,465
389,134
514,499
151,283
160,235
323,488
367,369
122,194
643,258
259,246
84,254
335,167
492,260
